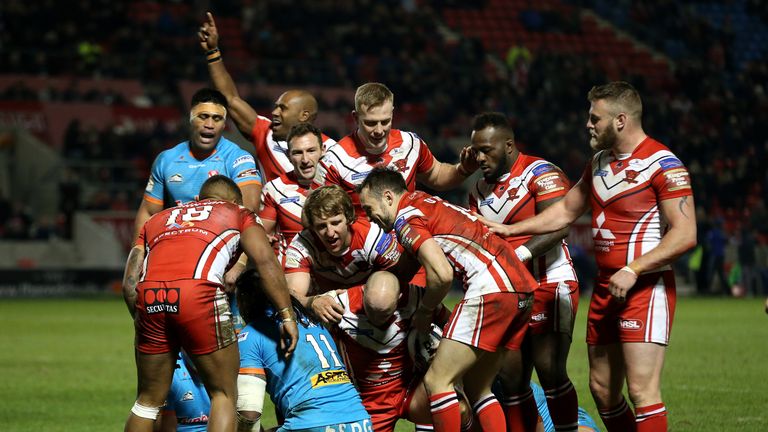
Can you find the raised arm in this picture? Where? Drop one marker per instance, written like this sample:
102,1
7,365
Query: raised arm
241,113
444,176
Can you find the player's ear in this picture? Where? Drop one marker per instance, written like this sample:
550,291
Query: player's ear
620,120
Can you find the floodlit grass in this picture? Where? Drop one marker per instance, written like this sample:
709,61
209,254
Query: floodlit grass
67,365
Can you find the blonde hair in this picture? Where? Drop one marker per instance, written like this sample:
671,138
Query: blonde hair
327,201
371,95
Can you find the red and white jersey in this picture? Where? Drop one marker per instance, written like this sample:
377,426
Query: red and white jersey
271,154
370,249
282,201
347,164
199,240
486,263
376,356
626,191
513,197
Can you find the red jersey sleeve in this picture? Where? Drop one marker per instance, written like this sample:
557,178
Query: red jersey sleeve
247,219
472,202
586,176
298,258
142,235
673,180
259,132
548,182
412,233
269,209
426,158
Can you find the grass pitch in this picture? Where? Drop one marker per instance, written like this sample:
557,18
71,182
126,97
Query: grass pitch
67,365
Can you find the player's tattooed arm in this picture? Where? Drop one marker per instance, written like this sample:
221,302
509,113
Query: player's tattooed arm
131,278
682,204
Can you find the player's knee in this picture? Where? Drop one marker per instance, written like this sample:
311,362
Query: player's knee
144,411
601,392
643,393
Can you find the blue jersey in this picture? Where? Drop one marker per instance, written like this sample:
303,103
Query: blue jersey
188,399
585,421
312,388
177,176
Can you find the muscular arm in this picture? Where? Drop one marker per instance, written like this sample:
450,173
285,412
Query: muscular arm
251,196
256,246
324,306
131,277
680,215
556,217
443,176
439,277
146,210
241,113
541,243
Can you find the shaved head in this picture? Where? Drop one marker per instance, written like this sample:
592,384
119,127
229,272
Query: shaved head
305,101
382,290
222,188
291,108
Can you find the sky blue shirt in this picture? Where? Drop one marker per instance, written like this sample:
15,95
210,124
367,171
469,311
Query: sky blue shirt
312,388
177,176
189,400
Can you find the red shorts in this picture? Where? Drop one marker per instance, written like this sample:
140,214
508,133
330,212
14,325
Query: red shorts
645,316
554,308
491,321
189,313
386,404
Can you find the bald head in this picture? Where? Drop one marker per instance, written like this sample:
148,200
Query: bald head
291,108
382,290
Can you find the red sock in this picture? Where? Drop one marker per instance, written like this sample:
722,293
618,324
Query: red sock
563,407
489,413
651,418
521,413
619,418
446,413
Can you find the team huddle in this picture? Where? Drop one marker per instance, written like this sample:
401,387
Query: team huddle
315,271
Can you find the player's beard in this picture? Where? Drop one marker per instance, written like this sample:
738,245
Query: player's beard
604,141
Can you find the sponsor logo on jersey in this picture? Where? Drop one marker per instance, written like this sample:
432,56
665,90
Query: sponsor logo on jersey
176,178
525,303
385,244
360,175
636,163
241,160
396,151
194,420
330,377
541,169
279,149
677,179
512,192
601,173
289,200
253,172
630,324
188,396
539,317
197,165
669,163
157,300
150,185
631,175
212,173
242,336
486,202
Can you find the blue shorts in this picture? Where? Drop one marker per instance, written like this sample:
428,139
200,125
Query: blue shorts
357,426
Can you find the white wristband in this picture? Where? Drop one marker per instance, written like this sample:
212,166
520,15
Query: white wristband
628,269
523,253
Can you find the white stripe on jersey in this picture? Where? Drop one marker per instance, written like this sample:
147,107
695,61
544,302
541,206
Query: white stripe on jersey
479,279
647,232
231,238
657,319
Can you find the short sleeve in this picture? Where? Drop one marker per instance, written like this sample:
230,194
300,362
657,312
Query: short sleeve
472,199
426,158
247,219
259,132
412,233
386,252
326,174
269,208
673,180
251,351
298,258
548,182
243,169
154,192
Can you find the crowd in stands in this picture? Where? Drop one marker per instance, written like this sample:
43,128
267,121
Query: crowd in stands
710,111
